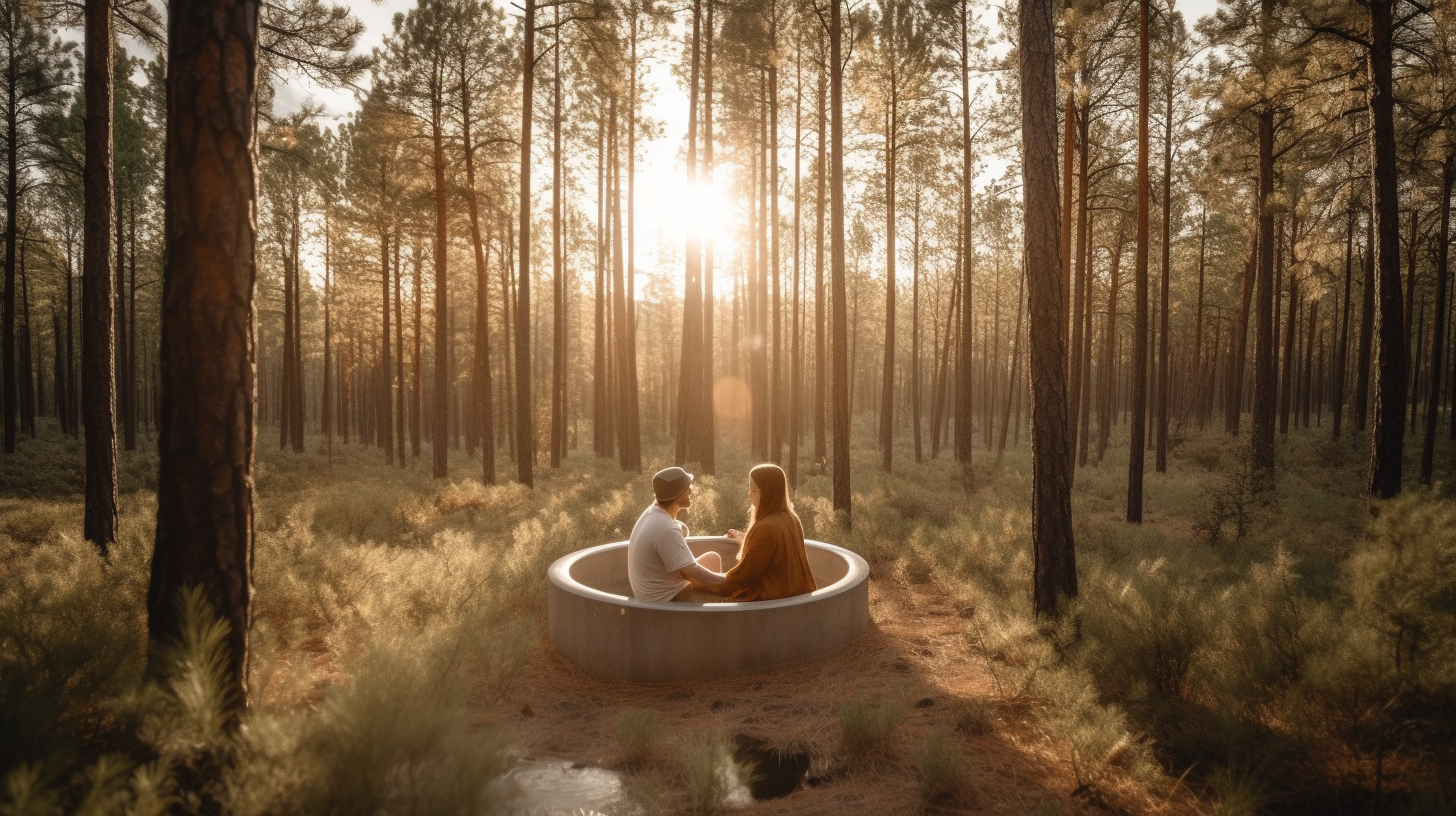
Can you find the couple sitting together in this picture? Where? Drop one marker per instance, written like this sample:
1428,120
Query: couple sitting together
771,564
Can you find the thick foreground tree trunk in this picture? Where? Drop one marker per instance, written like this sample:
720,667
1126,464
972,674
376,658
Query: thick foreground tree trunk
1387,442
1055,565
205,482
98,381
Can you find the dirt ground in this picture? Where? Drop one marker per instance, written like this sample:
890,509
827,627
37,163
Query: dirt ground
914,657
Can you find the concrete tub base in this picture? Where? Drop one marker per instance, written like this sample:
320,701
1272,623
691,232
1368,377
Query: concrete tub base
610,635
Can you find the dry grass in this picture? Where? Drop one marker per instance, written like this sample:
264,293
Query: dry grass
915,658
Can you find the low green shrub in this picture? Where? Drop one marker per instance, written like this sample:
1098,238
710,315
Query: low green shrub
708,769
866,726
637,734
941,766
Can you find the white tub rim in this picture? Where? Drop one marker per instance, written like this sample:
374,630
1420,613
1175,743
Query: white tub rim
560,575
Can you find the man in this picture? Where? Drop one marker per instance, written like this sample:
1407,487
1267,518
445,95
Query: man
659,564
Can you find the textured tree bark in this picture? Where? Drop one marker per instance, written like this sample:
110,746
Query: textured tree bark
887,382
821,361
1078,289
525,419
98,380
1343,344
385,392
1055,566
1198,369
689,385
440,428
205,481
1137,443
1261,437
558,264
964,430
629,450
1164,391
707,432
1367,328
839,384
1387,442
1308,373
483,388
1438,334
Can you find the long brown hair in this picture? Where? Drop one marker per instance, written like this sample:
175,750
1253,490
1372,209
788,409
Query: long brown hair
773,492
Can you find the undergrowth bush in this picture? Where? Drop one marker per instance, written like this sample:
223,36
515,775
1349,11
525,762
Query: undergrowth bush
866,725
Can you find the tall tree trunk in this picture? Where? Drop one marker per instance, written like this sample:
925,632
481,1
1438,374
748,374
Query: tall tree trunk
887,383
688,385
629,451
525,419
1164,391
205,480
821,361
483,387
964,432
1138,433
98,381
1106,373
326,414
1200,371
915,333
601,427
1054,559
440,427
1077,290
27,361
1342,349
840,382
1438,332
777,420
1261,438
398,374
1367,327
1305,395
385,398
796,356
1012,392
706,430
417,365
558,264
1286,383
1387,443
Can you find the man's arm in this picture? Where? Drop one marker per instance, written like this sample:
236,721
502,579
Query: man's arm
699,574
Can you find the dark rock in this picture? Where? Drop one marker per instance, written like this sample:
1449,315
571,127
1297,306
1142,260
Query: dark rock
924,702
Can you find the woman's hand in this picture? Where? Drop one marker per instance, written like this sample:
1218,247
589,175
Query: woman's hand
736,535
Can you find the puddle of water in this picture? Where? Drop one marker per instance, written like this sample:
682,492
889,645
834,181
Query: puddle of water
772,772
559,788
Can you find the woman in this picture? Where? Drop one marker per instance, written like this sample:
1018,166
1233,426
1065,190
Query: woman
772,562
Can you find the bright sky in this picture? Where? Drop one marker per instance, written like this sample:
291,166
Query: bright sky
663,206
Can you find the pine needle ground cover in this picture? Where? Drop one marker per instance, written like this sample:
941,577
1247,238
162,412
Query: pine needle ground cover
399,661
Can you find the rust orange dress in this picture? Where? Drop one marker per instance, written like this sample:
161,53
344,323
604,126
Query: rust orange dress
772,563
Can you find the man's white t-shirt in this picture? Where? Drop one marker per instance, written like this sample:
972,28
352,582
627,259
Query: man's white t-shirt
655,553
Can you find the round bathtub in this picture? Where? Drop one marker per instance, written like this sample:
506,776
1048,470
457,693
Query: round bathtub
596,623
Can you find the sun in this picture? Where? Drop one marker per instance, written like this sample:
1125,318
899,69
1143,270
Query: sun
678,210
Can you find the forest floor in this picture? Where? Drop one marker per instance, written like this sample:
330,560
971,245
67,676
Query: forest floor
915,659
379,591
